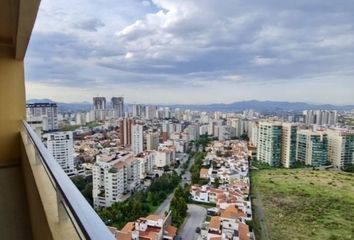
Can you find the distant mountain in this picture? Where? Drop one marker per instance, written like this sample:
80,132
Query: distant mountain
261,106
65,107
45,100
264,106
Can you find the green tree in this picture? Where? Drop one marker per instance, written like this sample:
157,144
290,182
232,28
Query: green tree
178,207
349,167
216,183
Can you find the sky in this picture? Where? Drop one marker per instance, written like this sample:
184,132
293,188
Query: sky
193,51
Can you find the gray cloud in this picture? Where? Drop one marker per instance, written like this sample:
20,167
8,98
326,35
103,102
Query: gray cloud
91,25
192,44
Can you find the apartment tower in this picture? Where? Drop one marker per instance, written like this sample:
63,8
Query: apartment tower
269,143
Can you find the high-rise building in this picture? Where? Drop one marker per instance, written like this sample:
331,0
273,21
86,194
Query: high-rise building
312,147
224,132
99,103
289,142
341,147
80,118
125,129
99,111
269,143
61,146
44,114
150,112
152,140
321,117
137,138
118,106
253,133
193,131
138,110
113,178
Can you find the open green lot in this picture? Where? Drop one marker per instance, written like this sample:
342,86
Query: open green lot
303,204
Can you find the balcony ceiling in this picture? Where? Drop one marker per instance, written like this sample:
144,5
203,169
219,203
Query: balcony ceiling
16,22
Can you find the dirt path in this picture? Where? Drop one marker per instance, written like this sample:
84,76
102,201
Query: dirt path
259,211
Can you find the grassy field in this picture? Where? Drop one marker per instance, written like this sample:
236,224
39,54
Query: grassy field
303,204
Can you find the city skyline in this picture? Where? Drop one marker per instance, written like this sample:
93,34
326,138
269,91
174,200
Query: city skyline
164,52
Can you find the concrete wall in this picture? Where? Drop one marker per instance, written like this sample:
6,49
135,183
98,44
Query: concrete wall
12,106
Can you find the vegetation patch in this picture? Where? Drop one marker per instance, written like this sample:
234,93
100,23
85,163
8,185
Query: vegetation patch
141,203
305,204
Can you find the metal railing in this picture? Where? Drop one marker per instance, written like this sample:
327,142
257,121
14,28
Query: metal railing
86,222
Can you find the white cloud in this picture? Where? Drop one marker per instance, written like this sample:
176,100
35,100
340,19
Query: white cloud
208,45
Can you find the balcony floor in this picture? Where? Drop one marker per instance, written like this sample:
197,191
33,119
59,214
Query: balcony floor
14,216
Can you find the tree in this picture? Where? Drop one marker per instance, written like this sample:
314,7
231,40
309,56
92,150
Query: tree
216,182
79,182
178,207
244,137
348,167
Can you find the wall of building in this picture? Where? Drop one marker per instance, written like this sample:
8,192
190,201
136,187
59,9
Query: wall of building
12,106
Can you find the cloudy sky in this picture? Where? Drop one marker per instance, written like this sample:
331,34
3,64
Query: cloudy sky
193,51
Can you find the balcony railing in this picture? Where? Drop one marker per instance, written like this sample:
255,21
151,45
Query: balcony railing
72,209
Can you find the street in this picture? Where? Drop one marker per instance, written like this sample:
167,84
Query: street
165,205
195,218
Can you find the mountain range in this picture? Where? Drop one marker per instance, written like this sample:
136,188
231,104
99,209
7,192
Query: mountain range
256,105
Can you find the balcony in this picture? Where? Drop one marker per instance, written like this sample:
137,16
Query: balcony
41,201
37,199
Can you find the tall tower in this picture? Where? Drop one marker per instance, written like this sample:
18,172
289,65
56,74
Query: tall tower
289,141
118,106
125,126
99,103
137,138
270,143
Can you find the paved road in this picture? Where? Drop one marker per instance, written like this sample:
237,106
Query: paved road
165,205
195,218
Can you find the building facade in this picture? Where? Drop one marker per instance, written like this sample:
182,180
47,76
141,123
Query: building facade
137,138
43,114
269,143
152,141
341,147
118,106
289,144
312,147
61,146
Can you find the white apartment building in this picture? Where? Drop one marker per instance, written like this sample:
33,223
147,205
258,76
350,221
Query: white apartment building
114,177
203,129
61,146
340,147
147,162
321,117
193,131
137,138
45,114
150,112
289,144
165,155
